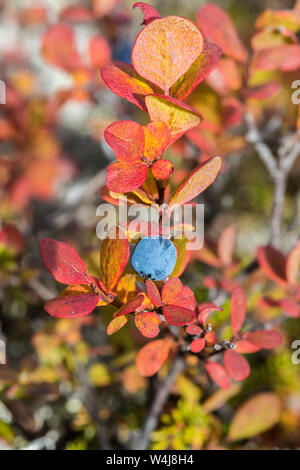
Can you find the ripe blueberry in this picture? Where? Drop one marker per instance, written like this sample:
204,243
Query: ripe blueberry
154,258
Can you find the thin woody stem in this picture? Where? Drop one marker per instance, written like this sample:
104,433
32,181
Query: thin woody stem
162,394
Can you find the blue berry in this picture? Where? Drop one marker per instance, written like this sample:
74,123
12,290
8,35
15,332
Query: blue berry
154,258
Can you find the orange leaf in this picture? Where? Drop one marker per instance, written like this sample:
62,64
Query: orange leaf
126,138
114,255
122,79
183,256
289,19
157,138
124,177
196,182
236,365
162,169
178,116
76,13
165,49
178,316
217,25
116,324
218,374
152,356
198,72
171,290
99,51
238,308
258,414
58,47
293,265
148,324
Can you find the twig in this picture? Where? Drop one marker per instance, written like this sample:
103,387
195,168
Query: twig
90,403
279,169
160,398
263,150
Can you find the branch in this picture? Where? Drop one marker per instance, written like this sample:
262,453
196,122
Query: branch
263,150
160,399
90,403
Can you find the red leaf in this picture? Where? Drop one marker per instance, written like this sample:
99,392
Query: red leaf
76,13
171,290
148,324
217,25
237,366
197,345
63,262
193,329
114,255
185,299
122,79
178,116
58,47
218,374
285,58
238,308
273,263
266,339
116,324
153,293
178,316
246,347
152,356
71,306
226,244
196,182
99,51
293,265
132,305
127,140
150,13
198,72
262,92
205,310
290,307
162,169
125,177
165,49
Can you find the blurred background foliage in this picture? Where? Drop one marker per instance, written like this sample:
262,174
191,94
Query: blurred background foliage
62,376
